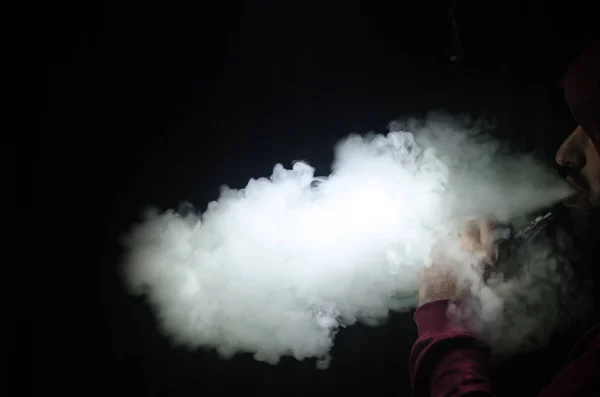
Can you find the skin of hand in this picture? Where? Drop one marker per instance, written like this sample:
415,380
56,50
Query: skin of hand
440,280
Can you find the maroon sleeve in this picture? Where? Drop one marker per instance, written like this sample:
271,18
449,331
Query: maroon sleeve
447,359
579,377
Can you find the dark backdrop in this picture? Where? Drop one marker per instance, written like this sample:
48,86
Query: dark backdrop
148,104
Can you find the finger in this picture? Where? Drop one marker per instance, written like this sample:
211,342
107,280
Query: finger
477,237
487,240
486,227
470,236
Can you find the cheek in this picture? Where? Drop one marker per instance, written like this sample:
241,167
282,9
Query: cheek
593,176
595,192
593,181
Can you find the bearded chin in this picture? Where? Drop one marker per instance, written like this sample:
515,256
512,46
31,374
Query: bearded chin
581,219
585,228
579,310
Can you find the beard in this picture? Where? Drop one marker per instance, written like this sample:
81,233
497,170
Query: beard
580,311
573,236
584,227
582,223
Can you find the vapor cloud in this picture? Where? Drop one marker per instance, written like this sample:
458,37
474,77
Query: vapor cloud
276,268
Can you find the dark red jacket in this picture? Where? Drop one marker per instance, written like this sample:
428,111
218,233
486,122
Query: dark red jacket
446,359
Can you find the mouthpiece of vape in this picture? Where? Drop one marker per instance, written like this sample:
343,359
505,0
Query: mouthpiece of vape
533,228
507,258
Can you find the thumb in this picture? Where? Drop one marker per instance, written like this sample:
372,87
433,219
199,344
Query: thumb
477,237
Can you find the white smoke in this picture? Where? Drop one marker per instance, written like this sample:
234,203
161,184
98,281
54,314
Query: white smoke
277,267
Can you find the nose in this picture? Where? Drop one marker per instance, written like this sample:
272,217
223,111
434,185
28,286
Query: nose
571,153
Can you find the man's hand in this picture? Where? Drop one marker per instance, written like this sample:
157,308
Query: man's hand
441,279
476,236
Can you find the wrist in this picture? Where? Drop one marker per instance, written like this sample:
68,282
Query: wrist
445,315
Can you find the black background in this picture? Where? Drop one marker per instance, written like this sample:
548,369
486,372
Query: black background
155,104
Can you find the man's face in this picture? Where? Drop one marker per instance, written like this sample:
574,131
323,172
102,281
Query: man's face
582,162
580,157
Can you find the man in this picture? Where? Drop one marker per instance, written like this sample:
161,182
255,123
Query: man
448,359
